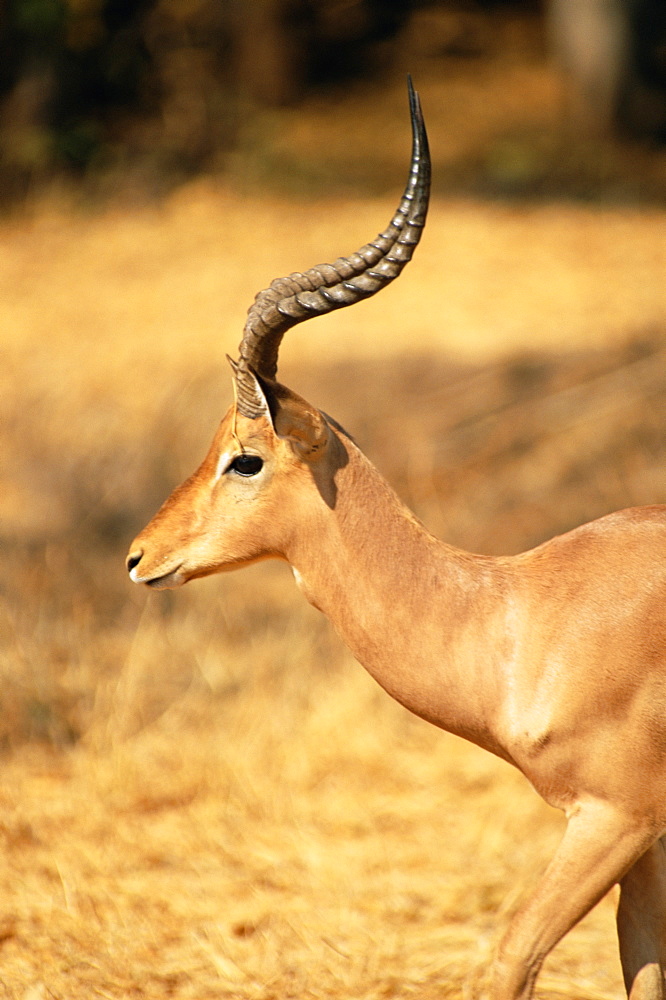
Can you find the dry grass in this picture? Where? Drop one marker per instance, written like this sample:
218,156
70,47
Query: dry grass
202,795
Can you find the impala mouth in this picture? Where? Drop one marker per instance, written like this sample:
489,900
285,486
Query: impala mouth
169,581
166,581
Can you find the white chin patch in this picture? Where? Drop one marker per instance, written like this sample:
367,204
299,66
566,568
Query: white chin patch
167,582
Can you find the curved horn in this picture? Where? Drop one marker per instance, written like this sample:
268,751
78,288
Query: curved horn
291,300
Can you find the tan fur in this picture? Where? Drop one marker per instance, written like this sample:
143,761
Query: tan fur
554,660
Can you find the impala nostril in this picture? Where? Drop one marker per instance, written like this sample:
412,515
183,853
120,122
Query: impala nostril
133,559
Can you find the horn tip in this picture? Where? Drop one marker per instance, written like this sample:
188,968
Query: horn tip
414,100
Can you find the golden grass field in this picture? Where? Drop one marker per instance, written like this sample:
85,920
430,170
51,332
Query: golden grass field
203,796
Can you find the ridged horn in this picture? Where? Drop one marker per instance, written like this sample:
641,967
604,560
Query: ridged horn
291,300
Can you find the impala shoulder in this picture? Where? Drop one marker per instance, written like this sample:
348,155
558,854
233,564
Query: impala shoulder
633,526
651,517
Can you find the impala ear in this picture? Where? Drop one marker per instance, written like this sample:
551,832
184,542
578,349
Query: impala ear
303,425
289,415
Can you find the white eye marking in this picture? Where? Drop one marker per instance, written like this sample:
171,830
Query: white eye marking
223,463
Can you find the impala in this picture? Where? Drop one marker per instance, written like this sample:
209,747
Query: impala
555,659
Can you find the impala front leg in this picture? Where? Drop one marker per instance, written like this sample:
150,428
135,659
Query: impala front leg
599,846
641,925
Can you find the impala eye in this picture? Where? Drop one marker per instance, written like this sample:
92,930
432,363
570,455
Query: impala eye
246,465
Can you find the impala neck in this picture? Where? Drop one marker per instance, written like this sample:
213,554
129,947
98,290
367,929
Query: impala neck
372,569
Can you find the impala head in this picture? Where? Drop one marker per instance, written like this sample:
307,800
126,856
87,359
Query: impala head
273,453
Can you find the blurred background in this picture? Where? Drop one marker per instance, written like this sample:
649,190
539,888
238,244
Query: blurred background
202,794
115,93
